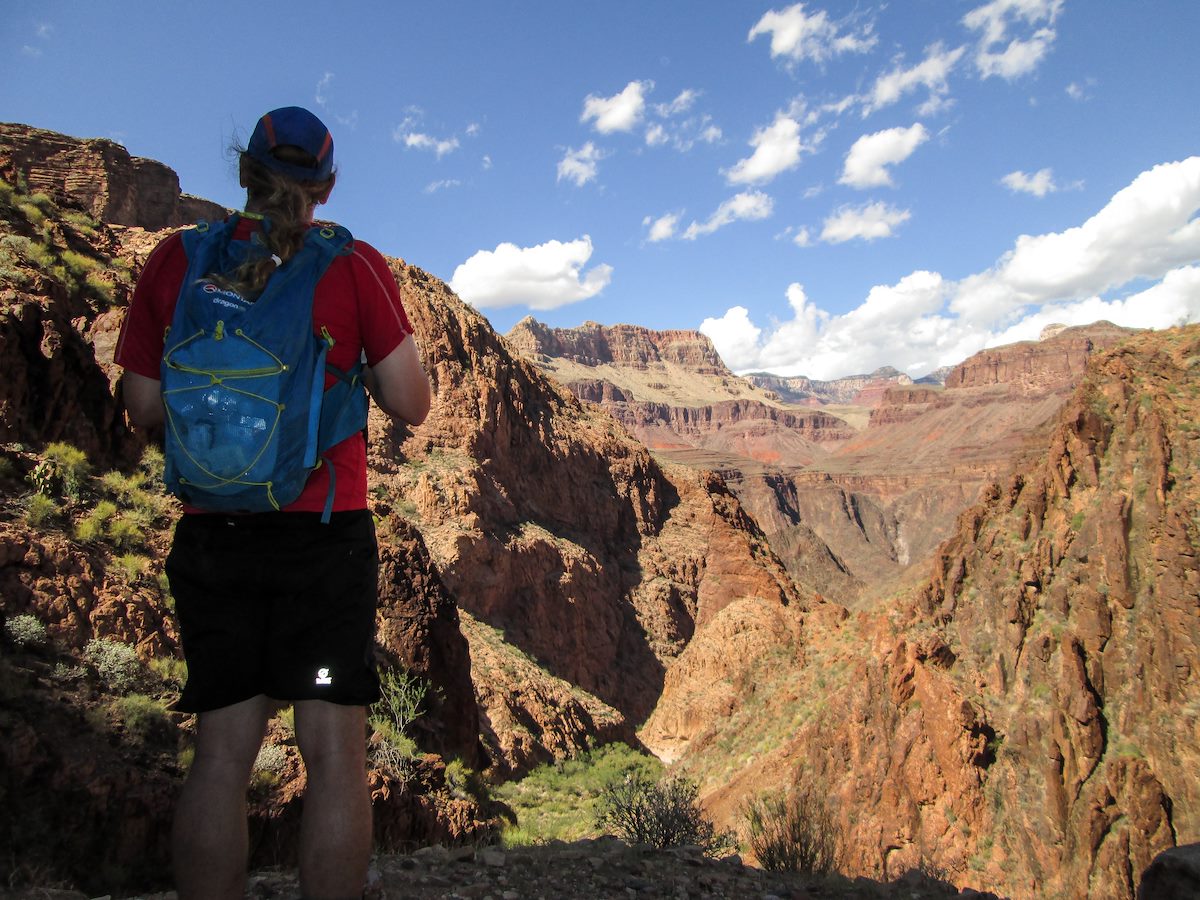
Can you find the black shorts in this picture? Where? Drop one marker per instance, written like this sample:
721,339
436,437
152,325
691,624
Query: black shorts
276,604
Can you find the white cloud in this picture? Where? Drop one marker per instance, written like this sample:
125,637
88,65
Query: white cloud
621,112
1040,183
656,135
580,166
1148,232
798,36
1145,230
868,159
662,228
28,50
473,129
681,104
711,134
998,53
746,206
546,276
434,186
777,148
932,73
415,140
869,222
802,238
322,93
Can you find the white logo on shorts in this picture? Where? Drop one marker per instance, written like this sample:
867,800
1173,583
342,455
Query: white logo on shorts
323,677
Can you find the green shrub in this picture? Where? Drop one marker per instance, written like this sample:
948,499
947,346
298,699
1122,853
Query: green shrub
125,533
72,464
793,833
132,565
268,766
171,669
99,287
662,814
40,511
94,525
25,630
117,664
401,696
559,800
78,263
143,718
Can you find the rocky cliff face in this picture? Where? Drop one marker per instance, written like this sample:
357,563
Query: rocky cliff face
633,346
99,177
1027,718
860,390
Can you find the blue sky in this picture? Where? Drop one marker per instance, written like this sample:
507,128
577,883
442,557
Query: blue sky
822,188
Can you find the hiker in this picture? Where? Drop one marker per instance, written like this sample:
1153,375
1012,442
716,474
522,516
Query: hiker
277,606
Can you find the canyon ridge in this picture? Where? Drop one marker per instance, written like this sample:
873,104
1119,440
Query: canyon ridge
963,614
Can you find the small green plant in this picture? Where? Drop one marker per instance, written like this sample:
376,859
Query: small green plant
268,766
125,533
94,525
401,696
132,565
143,718
792,833
25,630
40,510
117,664
171,669
662,814
72,465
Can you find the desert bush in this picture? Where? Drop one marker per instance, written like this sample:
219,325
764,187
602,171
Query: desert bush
792,833
660,814
268,766
125,532
40,510
559,800
401,696
94,526
73,467
143,718
25,630
116,663
171,669
132,565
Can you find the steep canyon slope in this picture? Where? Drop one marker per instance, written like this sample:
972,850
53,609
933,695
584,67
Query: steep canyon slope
851,481
1029,717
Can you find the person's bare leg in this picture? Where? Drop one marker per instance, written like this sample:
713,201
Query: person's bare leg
335,831
209,840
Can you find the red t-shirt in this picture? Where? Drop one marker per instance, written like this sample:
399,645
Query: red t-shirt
356,300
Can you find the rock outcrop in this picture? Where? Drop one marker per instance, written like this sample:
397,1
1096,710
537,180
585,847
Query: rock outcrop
1026,719
99,177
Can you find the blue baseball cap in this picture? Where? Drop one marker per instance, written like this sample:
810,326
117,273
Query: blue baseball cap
297,127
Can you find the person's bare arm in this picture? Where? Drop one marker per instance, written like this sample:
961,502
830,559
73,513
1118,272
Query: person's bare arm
143,399
399,384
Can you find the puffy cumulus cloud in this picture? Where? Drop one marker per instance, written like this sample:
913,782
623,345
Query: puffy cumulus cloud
866,163
621,112
546,276
998,52
777,148
746,206
932,74
1147,232
580,166
1040,183
662,228
797,35
868,223
1144,231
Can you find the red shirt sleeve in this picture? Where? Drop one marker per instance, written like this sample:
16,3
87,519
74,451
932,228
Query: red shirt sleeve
140,344
383,322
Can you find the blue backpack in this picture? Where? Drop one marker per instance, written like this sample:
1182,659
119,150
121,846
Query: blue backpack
243,382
